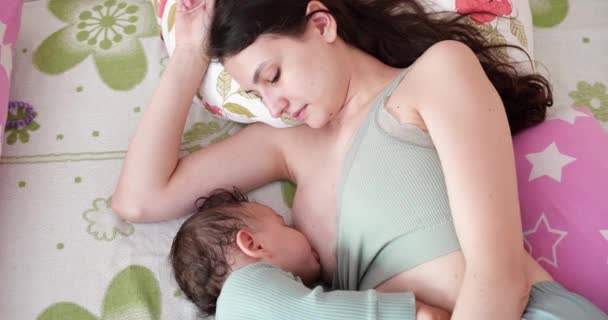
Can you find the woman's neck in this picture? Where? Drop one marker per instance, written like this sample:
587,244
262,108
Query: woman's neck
367,77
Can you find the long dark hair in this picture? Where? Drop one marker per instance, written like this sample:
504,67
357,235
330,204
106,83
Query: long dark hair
396,32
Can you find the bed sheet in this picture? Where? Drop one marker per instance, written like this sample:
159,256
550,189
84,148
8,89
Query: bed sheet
78,94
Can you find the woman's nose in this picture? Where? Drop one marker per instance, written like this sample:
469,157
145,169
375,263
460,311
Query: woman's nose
276,106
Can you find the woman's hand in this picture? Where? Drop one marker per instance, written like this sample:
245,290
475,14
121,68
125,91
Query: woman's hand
192,24
426,312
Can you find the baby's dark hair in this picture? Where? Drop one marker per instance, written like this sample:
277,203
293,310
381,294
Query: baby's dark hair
201,247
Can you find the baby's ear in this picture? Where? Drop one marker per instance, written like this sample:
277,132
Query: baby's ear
249,245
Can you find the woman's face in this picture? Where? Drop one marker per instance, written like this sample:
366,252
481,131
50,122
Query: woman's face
303,79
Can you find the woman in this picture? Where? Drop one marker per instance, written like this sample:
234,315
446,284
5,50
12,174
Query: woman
334,65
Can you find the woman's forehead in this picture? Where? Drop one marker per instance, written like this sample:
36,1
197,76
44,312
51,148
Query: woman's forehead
244,64
267,48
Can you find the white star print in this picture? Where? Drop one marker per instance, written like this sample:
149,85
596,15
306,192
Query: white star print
2,31
567,114
543,219
604,233
6,55
548,162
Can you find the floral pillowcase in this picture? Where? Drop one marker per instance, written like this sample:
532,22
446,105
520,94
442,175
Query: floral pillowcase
10,19
221,95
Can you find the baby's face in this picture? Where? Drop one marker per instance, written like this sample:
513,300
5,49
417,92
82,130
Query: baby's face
289,249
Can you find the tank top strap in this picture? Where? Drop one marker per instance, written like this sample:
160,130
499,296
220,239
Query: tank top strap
395,83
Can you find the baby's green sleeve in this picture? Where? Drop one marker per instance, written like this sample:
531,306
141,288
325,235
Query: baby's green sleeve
262,292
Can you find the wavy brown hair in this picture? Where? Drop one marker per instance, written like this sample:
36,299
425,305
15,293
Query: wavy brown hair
396,32
201,248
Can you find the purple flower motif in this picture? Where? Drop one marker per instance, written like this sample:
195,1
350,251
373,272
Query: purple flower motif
20,120
19,123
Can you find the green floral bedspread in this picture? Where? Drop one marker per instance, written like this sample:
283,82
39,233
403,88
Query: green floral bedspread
83,72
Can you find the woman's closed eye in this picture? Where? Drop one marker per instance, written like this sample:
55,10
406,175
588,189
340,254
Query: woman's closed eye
274,81
276,77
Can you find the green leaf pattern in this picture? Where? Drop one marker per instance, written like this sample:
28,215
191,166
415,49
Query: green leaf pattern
518,30
172,12
223,84
494,37
201,130
134,293
238,109
66,311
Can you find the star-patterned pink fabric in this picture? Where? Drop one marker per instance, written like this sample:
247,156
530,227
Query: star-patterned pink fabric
10,19
562,169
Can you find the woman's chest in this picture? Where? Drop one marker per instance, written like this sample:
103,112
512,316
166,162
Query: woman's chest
314,211
317,172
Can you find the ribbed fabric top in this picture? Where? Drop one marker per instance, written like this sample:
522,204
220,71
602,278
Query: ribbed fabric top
392,208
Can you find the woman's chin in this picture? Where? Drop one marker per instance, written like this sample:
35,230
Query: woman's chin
314,124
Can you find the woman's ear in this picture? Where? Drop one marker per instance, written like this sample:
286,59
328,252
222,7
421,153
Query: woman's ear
321,20
249,245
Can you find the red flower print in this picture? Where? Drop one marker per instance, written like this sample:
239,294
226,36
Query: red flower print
491,9
213,109
161,8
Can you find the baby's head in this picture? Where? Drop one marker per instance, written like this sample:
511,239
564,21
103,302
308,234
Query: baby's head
227,233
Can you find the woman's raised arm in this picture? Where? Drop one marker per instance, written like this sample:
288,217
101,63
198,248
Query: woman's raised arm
154,183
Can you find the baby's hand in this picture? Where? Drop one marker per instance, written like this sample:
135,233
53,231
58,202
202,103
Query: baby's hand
192,24
426,312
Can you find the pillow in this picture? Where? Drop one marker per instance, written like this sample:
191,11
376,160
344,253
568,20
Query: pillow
220,94
562,169
10,21
514,26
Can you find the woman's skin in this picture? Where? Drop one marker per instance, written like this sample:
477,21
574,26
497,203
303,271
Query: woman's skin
446,93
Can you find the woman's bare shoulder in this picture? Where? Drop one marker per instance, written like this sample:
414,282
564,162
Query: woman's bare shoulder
429,75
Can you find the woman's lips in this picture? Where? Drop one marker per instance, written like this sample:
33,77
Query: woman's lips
299,116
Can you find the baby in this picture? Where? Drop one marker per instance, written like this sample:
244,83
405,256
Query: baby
227,233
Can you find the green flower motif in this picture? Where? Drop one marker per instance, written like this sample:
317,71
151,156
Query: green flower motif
592,96
108,30
548,13
103,223
20,122
134,293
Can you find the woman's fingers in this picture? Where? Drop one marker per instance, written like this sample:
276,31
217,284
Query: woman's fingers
181,6
190,5
209,4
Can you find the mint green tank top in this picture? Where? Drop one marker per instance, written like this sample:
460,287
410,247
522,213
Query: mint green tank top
392,204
